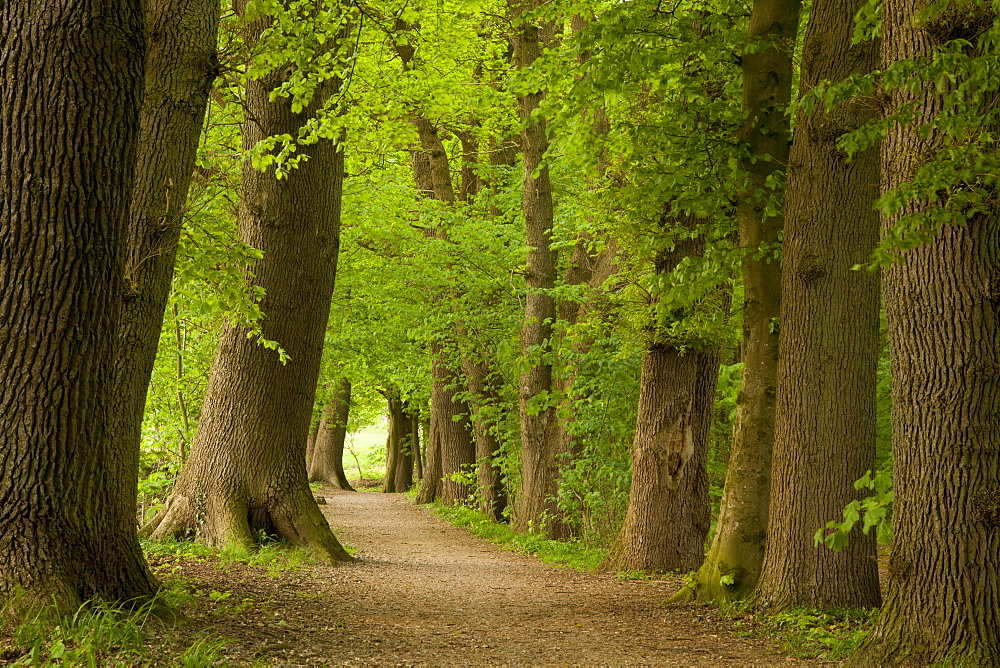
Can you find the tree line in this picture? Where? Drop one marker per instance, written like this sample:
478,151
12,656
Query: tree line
715,285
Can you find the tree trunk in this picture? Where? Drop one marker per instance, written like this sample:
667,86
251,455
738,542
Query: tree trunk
399,456
491,492
732,567
327,461
68,137
181,66
452,429
669,514
430,483
825,415
418,462
246,473
943,314
310,444
535,509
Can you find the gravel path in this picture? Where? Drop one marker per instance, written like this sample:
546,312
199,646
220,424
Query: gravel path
424,592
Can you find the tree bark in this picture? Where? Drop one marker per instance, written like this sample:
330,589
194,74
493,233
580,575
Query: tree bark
669,514
69,127
327,461
451,444
943,315
491,492
181,66
418,461
732,567
535,508
825,415
430,483
452,429
399,455
246,473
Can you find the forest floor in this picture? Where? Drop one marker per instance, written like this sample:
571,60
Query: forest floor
425,592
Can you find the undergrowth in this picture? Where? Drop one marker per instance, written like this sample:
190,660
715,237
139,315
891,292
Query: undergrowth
273,555
576,555
830,635
96,634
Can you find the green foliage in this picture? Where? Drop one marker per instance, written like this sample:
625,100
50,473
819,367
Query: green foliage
874,511
575,555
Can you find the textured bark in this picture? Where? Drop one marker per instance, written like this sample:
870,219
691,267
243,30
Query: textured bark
430,483
737,549
451,442
310,444
943,314
246,473
491,491
180,68
418,459
69,126
825,415
452,429
326,463
669,514
399,457
535,508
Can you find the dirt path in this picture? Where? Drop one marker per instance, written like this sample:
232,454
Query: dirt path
425,592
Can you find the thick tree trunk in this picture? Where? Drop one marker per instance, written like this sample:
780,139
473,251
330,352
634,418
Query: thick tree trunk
451,442
453,430
669,514
535,509
180,68
310,444
943,316
430,483
732,567
68,136
399,455
492,495
825,415
246,473
327,461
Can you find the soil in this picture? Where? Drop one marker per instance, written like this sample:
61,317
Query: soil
424,592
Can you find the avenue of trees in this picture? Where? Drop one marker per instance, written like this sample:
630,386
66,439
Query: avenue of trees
713,285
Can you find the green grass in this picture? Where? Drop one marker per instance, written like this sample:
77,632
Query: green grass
96,634
831,635
275,556
364,453
575,555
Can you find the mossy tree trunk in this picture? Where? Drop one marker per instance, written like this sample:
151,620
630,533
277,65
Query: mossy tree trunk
326,462
246,473
69,132
732,566
943,315
668,513
825,414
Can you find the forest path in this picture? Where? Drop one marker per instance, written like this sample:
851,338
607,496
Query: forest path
424,592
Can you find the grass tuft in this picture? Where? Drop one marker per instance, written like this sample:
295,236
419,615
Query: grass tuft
808,633
572,554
